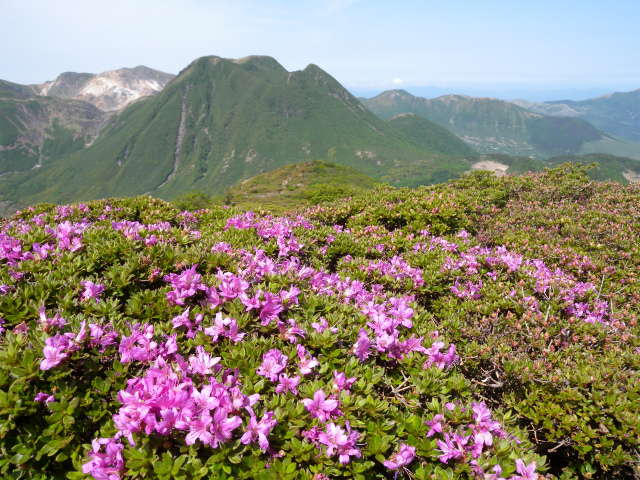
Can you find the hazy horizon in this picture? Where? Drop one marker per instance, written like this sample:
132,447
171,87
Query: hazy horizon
458,47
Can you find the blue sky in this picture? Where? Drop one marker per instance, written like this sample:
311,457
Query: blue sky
367,45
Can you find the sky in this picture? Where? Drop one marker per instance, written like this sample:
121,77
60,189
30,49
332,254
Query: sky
453,46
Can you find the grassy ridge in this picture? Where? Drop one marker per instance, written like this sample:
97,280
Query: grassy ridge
297,185
609,167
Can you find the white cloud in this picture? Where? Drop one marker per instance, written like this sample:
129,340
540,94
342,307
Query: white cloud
332,7
398,81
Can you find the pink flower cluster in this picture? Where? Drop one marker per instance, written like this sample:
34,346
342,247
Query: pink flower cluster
69,235
185,285
336,441
59,347
11,250
167,400
469,444
183,396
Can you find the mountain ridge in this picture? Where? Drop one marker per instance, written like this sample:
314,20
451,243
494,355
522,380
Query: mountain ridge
496,126
617,113
110,90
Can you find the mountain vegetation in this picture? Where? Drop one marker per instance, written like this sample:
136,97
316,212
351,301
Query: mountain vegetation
222,122
14,90
36,131
289,187
616,113
218,123
496,126
486,328
297,185
603,167
434,137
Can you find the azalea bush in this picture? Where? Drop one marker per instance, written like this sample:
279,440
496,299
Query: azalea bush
481,329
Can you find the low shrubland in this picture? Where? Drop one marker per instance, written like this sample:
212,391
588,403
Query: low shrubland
481,329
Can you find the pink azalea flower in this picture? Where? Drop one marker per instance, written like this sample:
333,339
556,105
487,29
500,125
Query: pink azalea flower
219,327
435,425
249,302
55,351
320,407
202,362
259,430
273,362
91,290
340,442
199,430
288,384
401,458
271,307
527,472
46,323
452,447
322,326
223,426
43,397
341,382
291,331
290,297
306,364
497,470
108,465
361,347
484,425
206,399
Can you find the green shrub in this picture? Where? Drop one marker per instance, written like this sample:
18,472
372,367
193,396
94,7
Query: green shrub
531,279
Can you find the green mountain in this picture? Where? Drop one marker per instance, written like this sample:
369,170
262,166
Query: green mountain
496,126
434,137
616,113
219,122
14,90
36,131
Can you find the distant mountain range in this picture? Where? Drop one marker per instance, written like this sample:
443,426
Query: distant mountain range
220,122
496,126
616,113
532,95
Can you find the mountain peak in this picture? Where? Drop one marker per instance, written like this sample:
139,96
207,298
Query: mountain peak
110,90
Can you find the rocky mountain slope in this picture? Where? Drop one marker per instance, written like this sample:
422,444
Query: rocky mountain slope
617,113
110,90
496,126
43,123
35,131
